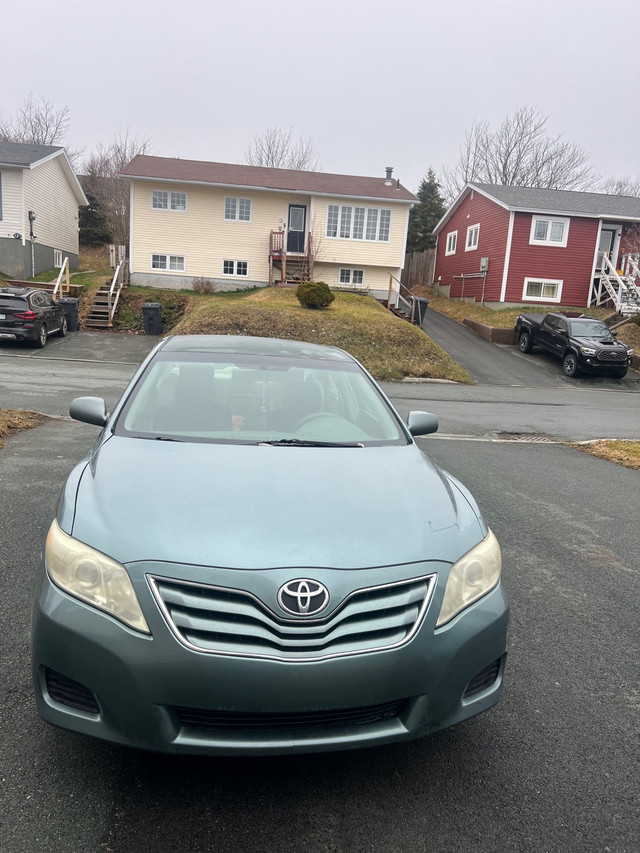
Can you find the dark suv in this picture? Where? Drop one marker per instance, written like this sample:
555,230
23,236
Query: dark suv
31,315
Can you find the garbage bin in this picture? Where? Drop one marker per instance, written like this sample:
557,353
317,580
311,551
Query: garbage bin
70,305
420,310
152,316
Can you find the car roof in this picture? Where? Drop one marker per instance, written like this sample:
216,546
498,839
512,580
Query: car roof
243,344
18,291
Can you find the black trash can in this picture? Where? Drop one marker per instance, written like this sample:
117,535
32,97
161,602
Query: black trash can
152,316
70,305
420,310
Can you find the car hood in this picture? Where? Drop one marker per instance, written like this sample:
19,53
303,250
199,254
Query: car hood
598,342
248,506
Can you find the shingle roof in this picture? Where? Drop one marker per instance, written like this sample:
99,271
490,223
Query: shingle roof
563,201
258,177
22,155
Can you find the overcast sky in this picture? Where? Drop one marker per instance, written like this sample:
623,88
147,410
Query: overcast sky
371,83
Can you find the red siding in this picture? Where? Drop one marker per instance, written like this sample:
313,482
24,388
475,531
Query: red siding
572,264
492,242
630,241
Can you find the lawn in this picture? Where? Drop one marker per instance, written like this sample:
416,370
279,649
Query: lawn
625,453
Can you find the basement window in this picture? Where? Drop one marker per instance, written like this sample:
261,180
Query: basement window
542,290
174,263
240,268
350,276
57,258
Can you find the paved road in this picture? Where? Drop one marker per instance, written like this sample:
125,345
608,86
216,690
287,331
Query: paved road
552,768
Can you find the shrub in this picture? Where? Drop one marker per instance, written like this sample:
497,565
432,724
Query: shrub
314,294
202,285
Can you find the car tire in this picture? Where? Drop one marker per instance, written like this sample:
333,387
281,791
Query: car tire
41,340
570,365
525,343
63,327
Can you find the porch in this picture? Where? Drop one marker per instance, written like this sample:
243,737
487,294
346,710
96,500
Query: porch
621,285
287,267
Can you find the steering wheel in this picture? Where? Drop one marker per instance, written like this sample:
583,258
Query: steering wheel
317,416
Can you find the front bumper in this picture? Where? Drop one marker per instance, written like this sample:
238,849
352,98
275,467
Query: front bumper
154,693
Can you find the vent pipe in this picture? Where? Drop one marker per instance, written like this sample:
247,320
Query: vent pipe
389,171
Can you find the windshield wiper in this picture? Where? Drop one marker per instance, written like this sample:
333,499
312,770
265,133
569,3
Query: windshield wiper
166,438
298,442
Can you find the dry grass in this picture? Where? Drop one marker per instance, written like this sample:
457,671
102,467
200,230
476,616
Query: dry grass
93,258
388,347
504,318
12,421
630,334
625,453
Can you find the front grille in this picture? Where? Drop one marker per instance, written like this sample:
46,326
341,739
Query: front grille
231,721
233,622
483,679
611,355
66,691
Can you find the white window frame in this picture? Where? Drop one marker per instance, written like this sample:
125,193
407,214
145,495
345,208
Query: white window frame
236,217
452,243
350,271
536,280
168,260
172,202
560,244
235,273
470,245
154,194
355,222
57,258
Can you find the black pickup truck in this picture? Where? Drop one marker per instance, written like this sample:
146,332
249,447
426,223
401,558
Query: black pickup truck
583,343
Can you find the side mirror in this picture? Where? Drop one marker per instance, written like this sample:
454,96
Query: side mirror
89,410
615,334
422,423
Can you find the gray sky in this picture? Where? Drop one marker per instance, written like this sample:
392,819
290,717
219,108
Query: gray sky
371,83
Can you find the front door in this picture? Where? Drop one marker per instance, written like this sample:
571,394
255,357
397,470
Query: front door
296,228
605,247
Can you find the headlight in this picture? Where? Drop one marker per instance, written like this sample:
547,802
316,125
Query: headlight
471,577
93,577
588,351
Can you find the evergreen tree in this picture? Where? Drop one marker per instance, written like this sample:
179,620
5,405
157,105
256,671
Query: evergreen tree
424,217
93,222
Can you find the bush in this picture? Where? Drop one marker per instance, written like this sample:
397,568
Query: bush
202,285
314,294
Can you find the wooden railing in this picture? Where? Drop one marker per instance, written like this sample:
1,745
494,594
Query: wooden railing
119,280
61,287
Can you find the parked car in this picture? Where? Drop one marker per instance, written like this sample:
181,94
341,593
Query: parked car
256,557
583,343
30,314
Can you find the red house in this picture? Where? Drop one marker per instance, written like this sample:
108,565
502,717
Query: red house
504,245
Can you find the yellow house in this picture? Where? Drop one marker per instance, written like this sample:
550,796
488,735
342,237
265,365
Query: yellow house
249,226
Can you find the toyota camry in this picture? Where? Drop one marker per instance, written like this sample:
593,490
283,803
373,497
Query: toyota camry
256,557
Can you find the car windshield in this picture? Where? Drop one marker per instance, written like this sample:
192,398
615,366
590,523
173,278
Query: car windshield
594,329
250,399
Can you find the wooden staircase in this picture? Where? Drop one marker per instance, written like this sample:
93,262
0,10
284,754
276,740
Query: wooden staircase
293,268
620,286
74,289
105,301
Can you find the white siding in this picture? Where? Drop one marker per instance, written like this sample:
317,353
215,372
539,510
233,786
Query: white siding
12,222
48,193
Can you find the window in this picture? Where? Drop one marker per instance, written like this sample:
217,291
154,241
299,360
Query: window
175,263
237,209
358,223
235,268
57,258
164,200
349,276
542,290
452,242
473,232
549,232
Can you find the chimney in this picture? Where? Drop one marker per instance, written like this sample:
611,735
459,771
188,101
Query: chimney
387,180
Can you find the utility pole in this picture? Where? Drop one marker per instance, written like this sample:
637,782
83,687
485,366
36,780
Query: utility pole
32,217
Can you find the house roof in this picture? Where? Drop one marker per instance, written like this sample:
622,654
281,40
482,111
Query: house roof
553,202
19,155
25,156
144,167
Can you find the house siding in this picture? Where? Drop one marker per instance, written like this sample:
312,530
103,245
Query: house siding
572,264
492,243
48,193
204,238
11,221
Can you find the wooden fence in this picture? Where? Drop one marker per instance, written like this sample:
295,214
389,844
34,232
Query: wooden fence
419,268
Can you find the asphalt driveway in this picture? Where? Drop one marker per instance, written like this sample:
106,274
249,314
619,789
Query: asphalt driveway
497,364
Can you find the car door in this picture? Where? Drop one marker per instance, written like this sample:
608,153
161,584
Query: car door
53,312
546,333
560,336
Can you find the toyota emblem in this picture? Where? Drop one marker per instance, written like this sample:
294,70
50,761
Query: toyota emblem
303,597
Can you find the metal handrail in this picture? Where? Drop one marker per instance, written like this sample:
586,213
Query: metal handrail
117,283
410,302
57,287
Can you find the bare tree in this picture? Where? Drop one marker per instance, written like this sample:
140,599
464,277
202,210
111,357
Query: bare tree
101,180
519,152
276,149
38,121
621,186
